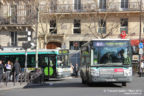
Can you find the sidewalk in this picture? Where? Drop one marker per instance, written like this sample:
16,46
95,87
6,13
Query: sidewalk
11,85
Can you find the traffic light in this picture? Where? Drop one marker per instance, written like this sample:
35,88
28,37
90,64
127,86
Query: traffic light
29,35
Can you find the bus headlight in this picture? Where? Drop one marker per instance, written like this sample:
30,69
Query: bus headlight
59,71
94,72
128,72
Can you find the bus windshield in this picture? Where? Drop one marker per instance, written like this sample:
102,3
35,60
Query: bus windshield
111,53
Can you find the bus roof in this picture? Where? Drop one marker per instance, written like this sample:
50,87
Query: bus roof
22,52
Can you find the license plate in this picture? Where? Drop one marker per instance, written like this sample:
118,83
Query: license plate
110,79
106,71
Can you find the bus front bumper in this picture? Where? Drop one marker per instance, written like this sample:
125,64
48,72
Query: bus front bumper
95,79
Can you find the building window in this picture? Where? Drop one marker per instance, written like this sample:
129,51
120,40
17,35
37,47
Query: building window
77,5
124,25
102,26
53,6
102,4
53,29
124,4
77,27
21,14
13,14
76,45
13,38
28,13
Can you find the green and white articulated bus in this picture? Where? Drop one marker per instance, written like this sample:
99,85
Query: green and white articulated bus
47,59
105,60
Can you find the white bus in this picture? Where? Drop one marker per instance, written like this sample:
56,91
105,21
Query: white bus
105,60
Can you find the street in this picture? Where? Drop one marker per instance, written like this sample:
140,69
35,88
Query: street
73,87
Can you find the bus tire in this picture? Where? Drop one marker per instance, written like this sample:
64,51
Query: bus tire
83,81
90,84
124,84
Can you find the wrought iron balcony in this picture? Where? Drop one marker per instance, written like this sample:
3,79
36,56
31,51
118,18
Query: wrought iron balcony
26,14
109,7
17,15
18,20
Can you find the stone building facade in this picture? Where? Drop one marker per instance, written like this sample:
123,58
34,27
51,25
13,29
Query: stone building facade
16,23
70,23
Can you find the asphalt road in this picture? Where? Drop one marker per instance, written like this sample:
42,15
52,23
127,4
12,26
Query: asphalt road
73,87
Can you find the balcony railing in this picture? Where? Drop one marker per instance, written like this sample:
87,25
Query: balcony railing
18,15
27,14
16,21
110,7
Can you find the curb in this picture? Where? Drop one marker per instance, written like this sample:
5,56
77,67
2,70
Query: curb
72,77
67,78
25,85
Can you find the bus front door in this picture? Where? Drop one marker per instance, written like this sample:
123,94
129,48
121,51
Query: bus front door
50,69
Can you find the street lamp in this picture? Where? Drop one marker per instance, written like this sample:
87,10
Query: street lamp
140,36
140,20
37,37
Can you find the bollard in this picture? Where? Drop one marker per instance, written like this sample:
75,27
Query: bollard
6,79
24,77
20,78
14,78
28,79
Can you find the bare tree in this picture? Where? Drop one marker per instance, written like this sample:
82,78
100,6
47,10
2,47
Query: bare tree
50,13
97,15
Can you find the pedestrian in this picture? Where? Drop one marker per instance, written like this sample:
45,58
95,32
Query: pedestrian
141,67
12,71
8,70
17,69
72,69
1,70
76,70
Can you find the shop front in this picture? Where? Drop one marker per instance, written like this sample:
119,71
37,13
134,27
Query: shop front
137,67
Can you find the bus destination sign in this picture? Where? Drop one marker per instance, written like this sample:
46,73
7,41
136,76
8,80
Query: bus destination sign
62,52
108,44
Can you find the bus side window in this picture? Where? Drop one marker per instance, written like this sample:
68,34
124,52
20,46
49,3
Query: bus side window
95,54
88,60
82,60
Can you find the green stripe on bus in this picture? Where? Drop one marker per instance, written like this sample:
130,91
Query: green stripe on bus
23,53
12,53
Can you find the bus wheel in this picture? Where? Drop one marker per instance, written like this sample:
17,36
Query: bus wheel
90,84
83,81
124,84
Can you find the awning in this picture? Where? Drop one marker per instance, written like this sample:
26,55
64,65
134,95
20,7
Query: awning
136,42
